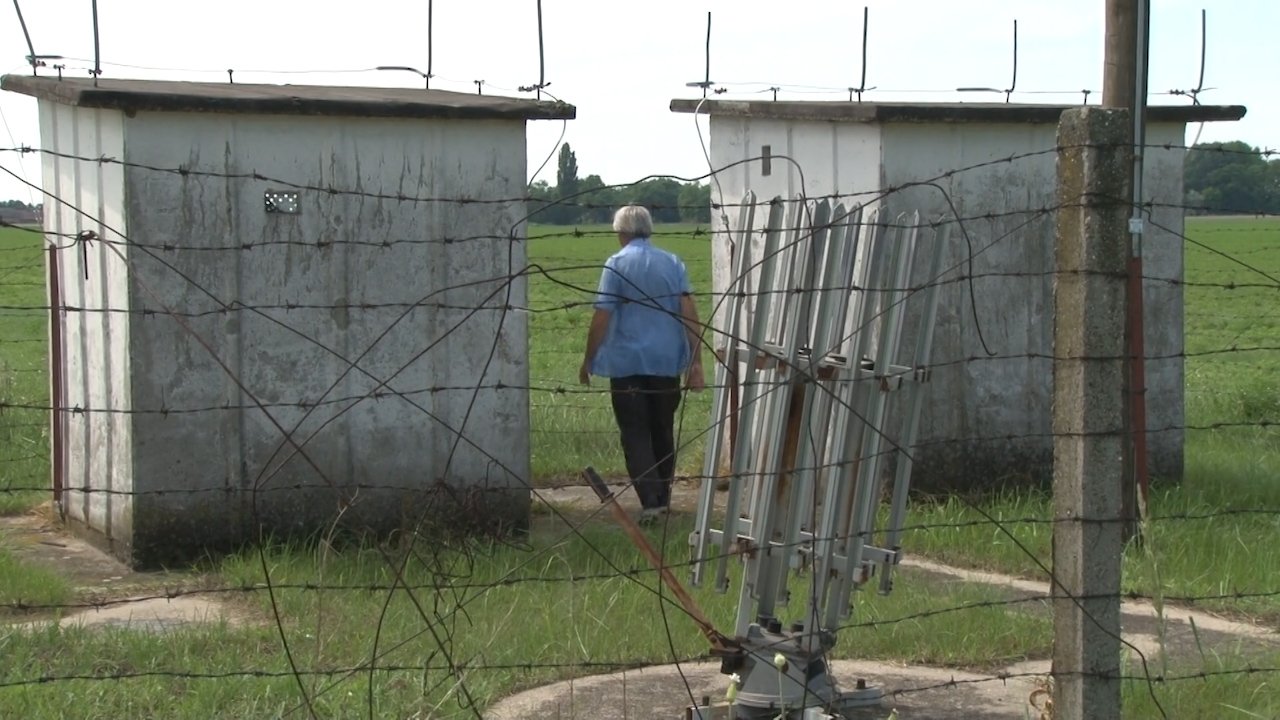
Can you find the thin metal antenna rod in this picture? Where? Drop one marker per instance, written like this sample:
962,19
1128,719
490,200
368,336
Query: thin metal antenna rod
542,60
1140,111
706,83
866,18
31,58
1194,93
97,51
1134,283
706,80
862,84
430,7
1008,93
1204,43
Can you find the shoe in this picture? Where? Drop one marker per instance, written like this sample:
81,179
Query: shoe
650,516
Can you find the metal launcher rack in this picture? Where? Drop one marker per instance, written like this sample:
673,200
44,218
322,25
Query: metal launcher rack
814,327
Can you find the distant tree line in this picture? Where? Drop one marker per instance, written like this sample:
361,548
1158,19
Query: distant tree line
1231,177
588,201
19,213
1226,177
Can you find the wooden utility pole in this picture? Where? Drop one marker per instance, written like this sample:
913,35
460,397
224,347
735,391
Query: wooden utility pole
1119,75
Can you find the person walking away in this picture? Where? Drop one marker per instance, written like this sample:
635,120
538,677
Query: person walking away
643,336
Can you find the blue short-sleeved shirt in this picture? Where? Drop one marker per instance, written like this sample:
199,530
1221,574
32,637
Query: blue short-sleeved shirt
641,287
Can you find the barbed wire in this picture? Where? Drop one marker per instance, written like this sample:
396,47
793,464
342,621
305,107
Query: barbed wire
577,201
545,487
564,390
559,232
446,598
19,606
41,309
606,665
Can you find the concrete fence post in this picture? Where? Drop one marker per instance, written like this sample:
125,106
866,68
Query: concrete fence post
1088,410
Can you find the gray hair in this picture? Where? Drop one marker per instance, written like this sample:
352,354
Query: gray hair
633,221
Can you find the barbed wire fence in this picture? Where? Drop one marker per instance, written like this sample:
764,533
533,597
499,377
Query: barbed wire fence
446,623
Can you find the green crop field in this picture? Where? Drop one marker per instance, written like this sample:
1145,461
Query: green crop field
24,428
1233,321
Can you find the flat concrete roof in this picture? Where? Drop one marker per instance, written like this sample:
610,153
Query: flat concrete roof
868,112
172,96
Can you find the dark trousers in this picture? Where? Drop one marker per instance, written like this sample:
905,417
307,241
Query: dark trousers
645,408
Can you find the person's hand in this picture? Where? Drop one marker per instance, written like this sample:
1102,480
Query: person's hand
696,380
584,374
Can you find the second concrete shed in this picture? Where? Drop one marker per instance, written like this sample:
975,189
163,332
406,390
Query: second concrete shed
993,166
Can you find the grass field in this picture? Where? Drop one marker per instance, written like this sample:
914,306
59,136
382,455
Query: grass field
499,629
1237,308
24,433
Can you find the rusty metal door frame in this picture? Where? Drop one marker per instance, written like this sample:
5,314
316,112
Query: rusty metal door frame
57,381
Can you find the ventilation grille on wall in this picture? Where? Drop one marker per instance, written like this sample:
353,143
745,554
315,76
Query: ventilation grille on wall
281,202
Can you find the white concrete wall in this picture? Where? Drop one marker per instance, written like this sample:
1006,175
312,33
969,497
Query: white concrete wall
329,255
993,397
813,158
976,403
89,196
1163,302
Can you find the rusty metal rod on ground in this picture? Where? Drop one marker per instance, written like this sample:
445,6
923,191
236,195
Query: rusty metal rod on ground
719,643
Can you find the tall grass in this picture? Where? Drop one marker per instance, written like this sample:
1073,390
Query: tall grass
1228,690
22,583
508,614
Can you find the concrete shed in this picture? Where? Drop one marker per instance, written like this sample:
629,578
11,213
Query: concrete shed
331,264
993,165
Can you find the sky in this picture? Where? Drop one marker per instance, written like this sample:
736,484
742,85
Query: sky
621,64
